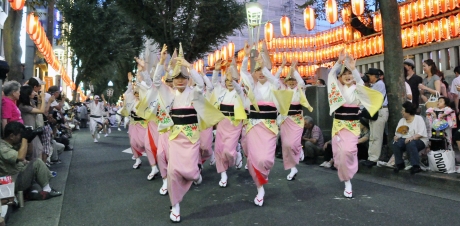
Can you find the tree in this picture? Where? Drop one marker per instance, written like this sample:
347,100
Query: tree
103,40
200,25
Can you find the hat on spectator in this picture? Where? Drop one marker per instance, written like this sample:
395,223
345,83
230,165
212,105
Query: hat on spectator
41,82
96,97
409,62
374,71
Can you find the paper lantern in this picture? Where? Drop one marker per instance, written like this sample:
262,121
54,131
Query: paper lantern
420,9
407,13
428,7
348,33
402,16
404,38
309,18
437,30
32,23
290,42
285,26
378,22
417,32
217,55
413,11
380,44
224,53
429,32
357,6
231,50
454,25
436,7
210,60
346,15
445,28
331,11
453,4
268,32
17,4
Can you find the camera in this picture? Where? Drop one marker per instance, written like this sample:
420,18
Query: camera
29,133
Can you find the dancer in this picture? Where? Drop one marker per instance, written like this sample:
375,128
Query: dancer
292,121
344,100
262,129
228,99
207,136
182,107
137,125
147,109
97,111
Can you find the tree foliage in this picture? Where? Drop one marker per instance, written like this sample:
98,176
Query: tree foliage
200,25
103,40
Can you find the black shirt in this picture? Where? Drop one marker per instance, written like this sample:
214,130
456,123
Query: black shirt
413,82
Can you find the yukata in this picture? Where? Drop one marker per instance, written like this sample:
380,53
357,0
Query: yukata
178,113
228,130
292,122
261,130
206,136
344,102
137,125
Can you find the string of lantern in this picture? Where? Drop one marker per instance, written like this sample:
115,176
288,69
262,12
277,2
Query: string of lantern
38,35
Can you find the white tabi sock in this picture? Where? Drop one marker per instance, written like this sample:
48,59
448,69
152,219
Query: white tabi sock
260,192
47,188
223,176
165,184
348,185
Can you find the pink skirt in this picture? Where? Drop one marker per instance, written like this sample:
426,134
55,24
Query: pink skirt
261,144
137,135
183,160
345,150
206,138
151,140
291,139
244,144
227,136
162,154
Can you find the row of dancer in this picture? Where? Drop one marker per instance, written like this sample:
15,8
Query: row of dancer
173,125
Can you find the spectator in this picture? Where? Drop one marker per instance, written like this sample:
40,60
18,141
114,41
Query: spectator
444,85
408,92
35,83
442,112
10,112
13,163
413,80
83,116
411,136
363,140
29,114
377,127
328,160
455,87
431,83
312,138
320,82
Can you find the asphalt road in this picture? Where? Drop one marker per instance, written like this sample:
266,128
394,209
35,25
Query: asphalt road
101,188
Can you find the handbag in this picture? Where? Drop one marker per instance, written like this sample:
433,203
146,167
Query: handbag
442,161
365,114
432,102
39,122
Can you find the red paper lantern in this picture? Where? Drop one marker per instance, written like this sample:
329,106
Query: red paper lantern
407,13
285,26
428,7
429,32
357,6
32,24
378,22
445,28
231,50
436,7
437,30
346,15
268,32
309,18
420,9
413,11
331,11
454,25
17,4
224,53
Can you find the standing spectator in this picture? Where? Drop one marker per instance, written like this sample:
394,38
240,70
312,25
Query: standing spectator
83,116
312,138
413,80
29,113
377,127
444,85
455,87
408,92
410,136
363,140
10,112
431,83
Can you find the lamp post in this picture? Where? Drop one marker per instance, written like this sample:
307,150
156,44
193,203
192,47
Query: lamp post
110,90
254,16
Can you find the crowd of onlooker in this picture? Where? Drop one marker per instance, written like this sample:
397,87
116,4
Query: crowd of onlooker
430,99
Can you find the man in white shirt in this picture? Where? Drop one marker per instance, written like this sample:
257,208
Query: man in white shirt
97,111
455,87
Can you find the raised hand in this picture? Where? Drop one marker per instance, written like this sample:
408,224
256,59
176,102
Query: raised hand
218,65
342,56
350,62
247,49
260,60
283,63
130,77
163,54
294,63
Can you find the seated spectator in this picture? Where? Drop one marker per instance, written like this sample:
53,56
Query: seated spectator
312,138
10,112
363,140
442,112
411,136
13,163
328,160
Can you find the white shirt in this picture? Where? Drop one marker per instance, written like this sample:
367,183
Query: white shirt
408,90
97,109
453,87
417,126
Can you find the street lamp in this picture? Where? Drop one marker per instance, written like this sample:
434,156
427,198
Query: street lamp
254,16
110,90
110,84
